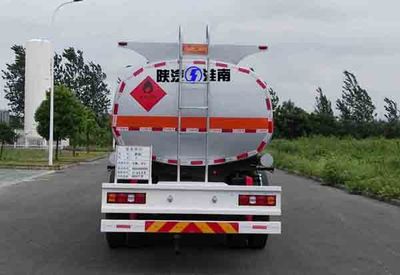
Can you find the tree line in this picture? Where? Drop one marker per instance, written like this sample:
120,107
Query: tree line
81,99
356,115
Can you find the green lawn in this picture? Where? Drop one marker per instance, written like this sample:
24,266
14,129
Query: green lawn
38,157
368,166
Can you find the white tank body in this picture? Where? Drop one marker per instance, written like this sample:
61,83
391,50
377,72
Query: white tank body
37,81
146,112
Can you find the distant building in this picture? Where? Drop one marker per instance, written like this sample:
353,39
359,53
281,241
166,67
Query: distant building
5,116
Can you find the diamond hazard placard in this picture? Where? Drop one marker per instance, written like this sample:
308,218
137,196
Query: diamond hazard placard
148,93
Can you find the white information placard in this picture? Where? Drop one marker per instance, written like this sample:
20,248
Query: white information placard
133,163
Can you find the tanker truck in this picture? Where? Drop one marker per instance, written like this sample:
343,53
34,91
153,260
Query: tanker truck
191,126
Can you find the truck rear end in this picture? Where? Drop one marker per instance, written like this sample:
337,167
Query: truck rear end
191,127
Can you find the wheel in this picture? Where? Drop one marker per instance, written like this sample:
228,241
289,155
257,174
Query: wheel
258,241
236,241
112,176
264,178
136,240
115,239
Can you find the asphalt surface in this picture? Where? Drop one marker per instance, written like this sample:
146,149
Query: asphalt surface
51,226
11,176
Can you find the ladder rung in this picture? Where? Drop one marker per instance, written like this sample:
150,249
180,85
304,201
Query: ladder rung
193,107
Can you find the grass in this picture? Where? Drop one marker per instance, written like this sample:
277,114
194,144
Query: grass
369,166
39,157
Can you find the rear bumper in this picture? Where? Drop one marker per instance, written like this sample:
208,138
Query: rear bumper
191,198
190,227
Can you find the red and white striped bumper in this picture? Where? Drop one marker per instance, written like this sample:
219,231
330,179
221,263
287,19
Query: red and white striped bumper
190,227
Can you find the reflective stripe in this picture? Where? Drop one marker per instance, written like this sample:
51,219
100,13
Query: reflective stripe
179,227
161,64
223,65
261,147
116,105
191,227
203,226
136,73
228,228
122,87
261,83
193,122
154,226
243,70
193,130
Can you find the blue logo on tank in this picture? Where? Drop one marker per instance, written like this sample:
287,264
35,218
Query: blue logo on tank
193,74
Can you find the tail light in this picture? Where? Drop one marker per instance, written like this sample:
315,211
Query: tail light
257,200
134,198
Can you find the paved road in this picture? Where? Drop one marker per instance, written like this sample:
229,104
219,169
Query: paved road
11,176
51,226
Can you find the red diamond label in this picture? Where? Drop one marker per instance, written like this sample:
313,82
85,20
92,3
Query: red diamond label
148,93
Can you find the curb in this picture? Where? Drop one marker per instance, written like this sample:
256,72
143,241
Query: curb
395,202
81,162
56,167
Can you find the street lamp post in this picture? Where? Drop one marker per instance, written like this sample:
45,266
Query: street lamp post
51,123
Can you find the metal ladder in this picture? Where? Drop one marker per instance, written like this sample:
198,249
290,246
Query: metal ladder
181,85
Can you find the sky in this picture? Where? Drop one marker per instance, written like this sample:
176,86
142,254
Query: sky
310,42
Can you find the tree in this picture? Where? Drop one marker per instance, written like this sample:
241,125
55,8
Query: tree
323,105
274,98
7,135
58,70
87,81
392,110
90,127
14,76
356,109
103,134
95,92
392,127
73,70
322,119
291,121
355,105
68,115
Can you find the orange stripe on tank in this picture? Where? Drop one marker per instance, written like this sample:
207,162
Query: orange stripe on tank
193,122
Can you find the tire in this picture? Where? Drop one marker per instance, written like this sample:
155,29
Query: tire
136,240
264,178
258,241
236,241
112,176
115,239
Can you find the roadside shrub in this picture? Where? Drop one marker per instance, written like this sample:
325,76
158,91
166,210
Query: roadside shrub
355,187
369,166
334,172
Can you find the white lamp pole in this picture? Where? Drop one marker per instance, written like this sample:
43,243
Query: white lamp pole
51,124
